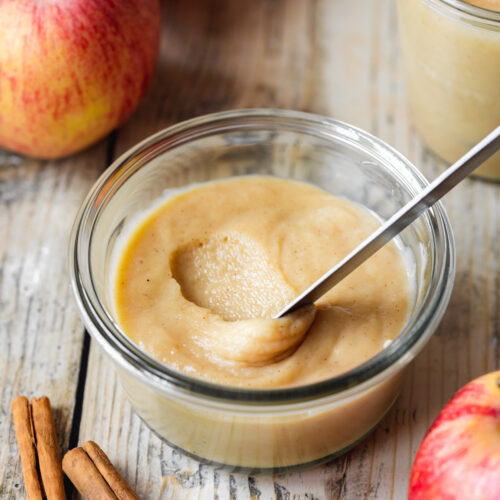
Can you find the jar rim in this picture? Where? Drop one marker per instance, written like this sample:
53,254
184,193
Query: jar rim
470,12
163,378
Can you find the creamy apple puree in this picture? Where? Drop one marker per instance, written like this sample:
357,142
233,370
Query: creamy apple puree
201,276
452,64
486,4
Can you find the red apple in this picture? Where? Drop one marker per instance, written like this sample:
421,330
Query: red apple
72,70
459,457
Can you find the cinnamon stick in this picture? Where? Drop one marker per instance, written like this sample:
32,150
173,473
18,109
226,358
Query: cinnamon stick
88,468
37,440
49,461
116,482
23,425
85,476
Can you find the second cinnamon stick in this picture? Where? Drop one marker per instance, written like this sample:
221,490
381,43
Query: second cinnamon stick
85,476
47,448
116,482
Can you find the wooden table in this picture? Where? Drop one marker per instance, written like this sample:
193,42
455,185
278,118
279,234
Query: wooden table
339,58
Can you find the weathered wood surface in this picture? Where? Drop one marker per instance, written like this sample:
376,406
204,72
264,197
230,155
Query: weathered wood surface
339,58
40,333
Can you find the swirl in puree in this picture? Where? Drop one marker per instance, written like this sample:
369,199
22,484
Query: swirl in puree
200,278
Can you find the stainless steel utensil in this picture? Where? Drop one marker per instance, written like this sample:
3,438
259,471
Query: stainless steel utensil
401,219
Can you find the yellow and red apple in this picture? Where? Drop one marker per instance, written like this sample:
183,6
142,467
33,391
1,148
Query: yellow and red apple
72,70
459,457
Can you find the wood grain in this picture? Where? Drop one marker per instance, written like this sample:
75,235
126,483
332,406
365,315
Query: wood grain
41,335
339,58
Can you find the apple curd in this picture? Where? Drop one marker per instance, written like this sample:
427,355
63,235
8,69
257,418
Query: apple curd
451,54
199,279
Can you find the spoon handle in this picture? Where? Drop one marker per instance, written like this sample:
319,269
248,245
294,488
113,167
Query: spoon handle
400,220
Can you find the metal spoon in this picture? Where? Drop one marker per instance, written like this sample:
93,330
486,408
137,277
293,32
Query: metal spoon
401,219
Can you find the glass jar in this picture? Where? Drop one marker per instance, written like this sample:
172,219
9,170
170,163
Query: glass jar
451,54
260,429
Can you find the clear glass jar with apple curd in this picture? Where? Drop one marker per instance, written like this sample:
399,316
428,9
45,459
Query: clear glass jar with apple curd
451,54
260,429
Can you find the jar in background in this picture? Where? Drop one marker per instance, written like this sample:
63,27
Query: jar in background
452,61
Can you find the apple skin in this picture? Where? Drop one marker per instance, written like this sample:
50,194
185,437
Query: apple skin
459,457
72,70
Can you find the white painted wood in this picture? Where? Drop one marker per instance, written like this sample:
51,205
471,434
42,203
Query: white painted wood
40,333
340,58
